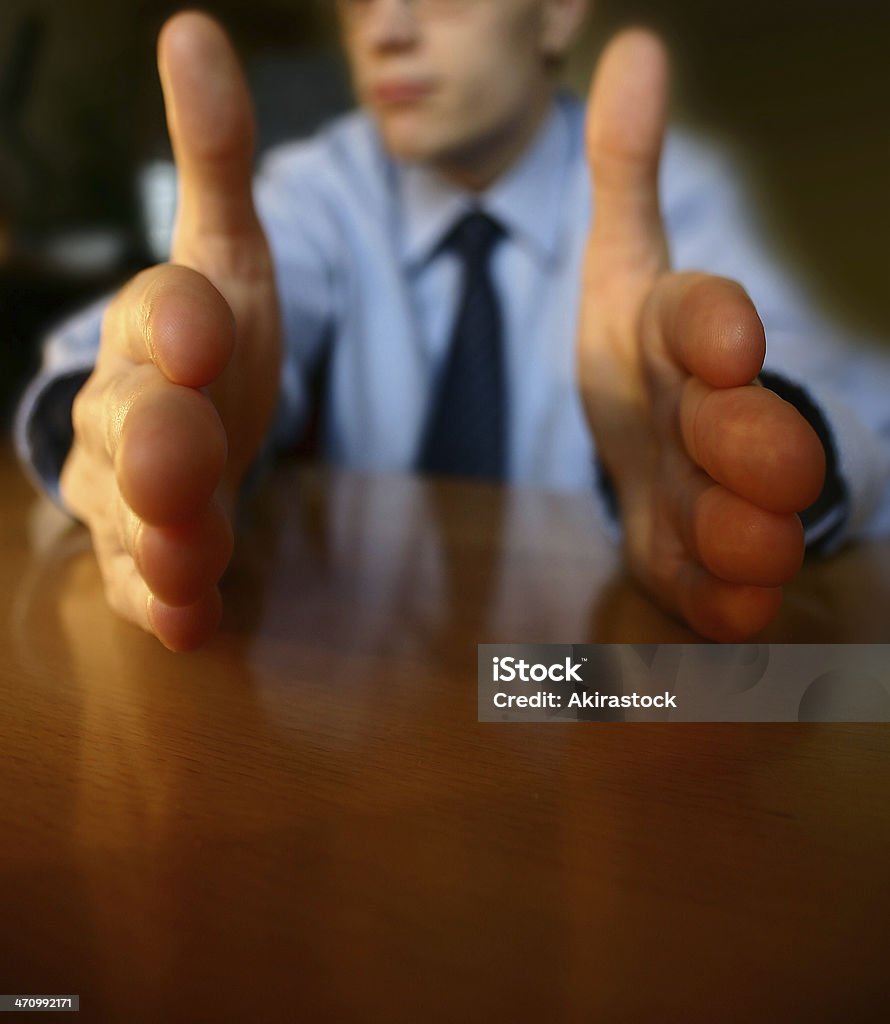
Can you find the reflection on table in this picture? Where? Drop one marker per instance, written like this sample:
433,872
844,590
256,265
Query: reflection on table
306,821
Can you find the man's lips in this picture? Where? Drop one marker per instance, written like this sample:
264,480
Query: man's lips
398,93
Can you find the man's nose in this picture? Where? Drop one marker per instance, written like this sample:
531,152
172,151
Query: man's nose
393,24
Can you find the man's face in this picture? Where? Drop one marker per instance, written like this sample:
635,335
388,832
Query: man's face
446,80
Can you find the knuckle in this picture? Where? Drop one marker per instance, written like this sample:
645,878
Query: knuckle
145,318
118,577
147,298
132,308
79,414
70,490
82,409
124,298
117,596
129,527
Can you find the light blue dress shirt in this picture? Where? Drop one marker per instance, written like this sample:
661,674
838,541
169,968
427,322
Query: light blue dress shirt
355,239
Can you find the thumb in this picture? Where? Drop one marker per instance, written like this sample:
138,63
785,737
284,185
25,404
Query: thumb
211,125
626,119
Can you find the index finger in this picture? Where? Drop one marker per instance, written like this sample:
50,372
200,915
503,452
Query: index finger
175,318
707,326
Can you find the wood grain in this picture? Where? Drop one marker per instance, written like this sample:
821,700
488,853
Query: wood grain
306,822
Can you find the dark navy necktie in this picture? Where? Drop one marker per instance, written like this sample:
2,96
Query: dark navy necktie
466,433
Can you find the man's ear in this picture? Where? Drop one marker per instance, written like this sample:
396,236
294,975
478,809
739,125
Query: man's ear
561,20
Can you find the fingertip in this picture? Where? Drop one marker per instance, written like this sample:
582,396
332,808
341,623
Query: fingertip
178,33
806,453
717,333
190,327
725,612
636,48
186,628
754,443
171,455
179,563
743,544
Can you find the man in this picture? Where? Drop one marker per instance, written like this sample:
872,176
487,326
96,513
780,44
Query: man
358,252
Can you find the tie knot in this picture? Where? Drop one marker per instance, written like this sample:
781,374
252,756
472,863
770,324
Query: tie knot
473,237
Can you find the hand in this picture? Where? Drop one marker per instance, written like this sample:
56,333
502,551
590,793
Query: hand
709,468
188,367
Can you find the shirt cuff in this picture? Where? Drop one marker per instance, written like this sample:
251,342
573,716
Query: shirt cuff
43,428
608,499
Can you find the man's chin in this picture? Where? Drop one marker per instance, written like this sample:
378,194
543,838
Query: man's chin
408,141
407,147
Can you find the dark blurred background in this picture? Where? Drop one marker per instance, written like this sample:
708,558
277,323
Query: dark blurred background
797,88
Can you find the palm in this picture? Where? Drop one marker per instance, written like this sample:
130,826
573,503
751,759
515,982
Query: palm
710,532
187,372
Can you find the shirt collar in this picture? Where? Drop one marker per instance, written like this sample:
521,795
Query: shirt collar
525,200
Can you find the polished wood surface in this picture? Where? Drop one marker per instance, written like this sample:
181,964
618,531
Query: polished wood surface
306,822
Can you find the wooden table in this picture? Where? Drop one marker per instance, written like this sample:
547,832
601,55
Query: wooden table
306,821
